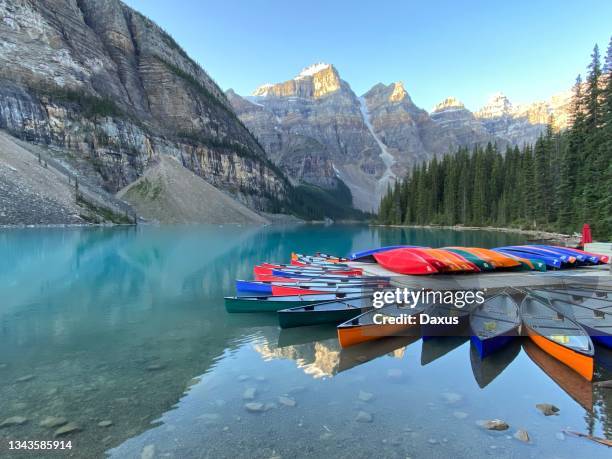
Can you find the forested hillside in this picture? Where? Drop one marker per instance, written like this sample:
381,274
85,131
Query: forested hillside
559,183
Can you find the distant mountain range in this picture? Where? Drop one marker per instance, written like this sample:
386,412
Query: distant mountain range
319,131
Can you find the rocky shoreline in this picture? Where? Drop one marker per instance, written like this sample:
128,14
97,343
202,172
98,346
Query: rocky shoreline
537,234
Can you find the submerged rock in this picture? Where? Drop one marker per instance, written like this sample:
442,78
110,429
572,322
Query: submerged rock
522,435
364,416
148,452
365,396
547,409
53,421
105,423
451,397
13,421
493,424
155,367
69,428
255,407
249,393
286,401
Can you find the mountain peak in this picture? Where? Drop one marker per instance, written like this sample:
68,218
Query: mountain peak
448,103
314,81
497,105
312,70
399,92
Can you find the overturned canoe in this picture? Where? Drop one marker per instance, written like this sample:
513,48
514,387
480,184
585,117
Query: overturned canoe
323,313
494,324
275,303
498,260
550,261
404,261
600,259
481,263
445,261
540,252
558,335
391,320
367,256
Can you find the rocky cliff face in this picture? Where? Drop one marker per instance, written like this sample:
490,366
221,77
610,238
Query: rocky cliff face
315,127
316,112
114,92
523,124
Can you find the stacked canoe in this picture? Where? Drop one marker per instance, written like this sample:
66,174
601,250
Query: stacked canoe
412,260
321,289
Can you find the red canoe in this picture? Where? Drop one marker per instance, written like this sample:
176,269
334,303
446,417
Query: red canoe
281,290
404,261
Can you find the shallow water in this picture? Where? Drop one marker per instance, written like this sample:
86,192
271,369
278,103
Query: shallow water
128,325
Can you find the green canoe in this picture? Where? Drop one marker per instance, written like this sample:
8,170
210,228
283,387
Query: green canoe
276,303
482,264
324,313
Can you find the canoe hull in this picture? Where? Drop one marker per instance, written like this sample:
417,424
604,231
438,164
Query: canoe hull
290,319
605,339
238,304
580,363
429,330
488,346
355,335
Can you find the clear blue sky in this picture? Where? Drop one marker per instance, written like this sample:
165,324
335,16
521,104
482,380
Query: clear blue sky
469,49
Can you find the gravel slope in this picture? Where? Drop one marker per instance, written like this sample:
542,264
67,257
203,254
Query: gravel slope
171,193
31,194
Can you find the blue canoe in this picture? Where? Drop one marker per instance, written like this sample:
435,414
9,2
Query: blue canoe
541,251
494,324
549,261
581,257
368,255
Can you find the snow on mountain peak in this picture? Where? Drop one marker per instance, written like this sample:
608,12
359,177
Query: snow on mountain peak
312,70
448,103
498,105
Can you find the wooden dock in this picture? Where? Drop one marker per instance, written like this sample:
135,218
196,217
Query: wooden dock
496,280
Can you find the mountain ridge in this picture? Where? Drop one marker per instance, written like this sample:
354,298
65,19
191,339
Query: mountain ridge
401,129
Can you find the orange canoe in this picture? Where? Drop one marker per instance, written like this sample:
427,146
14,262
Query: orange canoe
454,259
498,260
558,335
391,320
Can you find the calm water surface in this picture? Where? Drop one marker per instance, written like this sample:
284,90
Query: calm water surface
128,325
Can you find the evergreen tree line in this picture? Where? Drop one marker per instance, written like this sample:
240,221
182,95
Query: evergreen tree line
557,184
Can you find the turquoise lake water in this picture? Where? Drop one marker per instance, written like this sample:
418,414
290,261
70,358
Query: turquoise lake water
128,325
